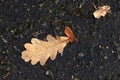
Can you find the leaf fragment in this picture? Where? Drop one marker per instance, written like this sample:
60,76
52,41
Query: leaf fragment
69,33
101,11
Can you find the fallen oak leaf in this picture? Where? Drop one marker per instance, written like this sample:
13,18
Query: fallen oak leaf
40,51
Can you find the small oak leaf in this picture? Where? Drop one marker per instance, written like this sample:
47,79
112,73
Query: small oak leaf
101,11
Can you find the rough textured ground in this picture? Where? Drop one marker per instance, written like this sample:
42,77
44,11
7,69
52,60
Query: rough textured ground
95,55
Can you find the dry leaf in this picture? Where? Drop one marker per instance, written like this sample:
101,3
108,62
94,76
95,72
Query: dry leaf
40,51
102,11
69,33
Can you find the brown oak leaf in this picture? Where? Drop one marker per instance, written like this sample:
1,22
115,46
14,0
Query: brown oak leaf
40,51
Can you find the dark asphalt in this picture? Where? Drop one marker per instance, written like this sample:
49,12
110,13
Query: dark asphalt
95,54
